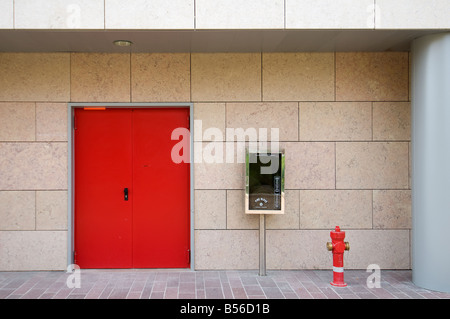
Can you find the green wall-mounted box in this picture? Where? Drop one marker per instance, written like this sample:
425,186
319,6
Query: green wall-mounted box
264,187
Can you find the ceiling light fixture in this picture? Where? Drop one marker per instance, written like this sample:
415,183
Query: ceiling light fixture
123,43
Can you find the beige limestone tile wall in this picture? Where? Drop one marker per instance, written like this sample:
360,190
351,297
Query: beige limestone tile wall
347,158
33,210
387,248
160,77
218,165
31,166
221,77
17,210
372,76
51,122
392,121
372,165
282,116
236,217
392,209
226,249
34,93
210,209
309,165
210,122
410,165
343,120
298,76
335,121
100,77
33,250
51,210
324,209
390,249
35,77
297,249
17,121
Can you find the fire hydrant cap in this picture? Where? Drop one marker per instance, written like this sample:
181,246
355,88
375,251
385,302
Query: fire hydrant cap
337,234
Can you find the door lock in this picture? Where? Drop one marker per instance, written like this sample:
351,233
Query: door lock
125,194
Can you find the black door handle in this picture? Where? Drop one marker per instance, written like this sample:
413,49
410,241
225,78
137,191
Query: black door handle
125,193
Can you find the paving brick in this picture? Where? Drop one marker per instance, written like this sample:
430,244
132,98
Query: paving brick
160,284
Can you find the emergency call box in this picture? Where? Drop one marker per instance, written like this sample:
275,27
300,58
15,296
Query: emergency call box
264,189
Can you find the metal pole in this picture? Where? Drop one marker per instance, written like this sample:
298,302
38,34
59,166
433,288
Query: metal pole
262,244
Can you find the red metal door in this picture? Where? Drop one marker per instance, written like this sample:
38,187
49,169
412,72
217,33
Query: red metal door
161,191
103,168
147,226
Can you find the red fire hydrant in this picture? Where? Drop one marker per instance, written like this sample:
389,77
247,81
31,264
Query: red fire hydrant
338,246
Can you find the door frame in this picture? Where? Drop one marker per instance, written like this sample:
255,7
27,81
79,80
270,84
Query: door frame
71,167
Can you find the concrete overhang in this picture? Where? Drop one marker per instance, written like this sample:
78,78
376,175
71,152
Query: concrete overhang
209,40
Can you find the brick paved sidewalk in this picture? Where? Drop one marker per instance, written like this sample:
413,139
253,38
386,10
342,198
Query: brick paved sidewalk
185,284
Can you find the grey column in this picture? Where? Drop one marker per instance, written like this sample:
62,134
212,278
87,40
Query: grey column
430,96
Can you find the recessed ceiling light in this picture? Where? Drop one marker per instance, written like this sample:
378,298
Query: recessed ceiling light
123,43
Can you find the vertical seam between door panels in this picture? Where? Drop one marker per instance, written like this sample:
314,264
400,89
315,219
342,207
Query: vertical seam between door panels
132,184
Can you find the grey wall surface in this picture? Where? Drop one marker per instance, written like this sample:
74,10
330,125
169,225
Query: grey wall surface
430,89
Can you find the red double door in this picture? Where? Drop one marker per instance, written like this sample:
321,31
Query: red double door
132,201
